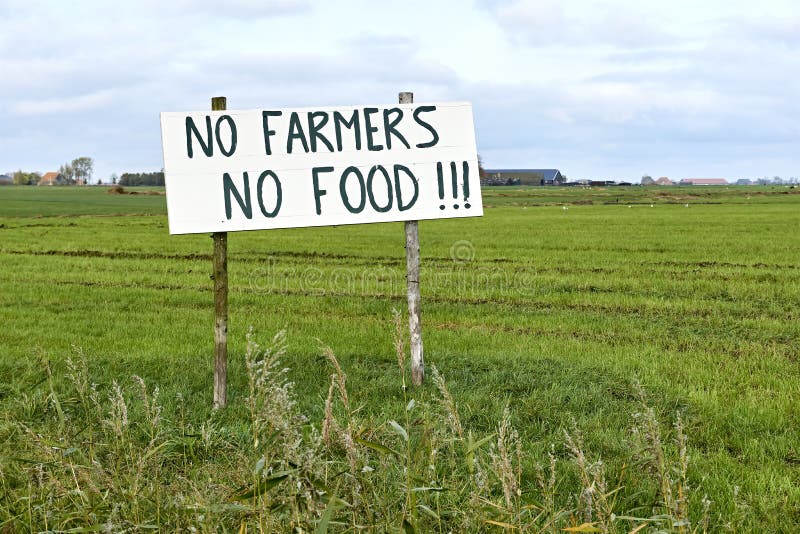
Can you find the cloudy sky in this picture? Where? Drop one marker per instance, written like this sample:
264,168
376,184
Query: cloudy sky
599,89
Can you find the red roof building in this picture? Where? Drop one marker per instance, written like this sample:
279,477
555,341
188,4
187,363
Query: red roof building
51,178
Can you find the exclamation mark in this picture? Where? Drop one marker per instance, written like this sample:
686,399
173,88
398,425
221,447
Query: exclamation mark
454,176
466,185
440,175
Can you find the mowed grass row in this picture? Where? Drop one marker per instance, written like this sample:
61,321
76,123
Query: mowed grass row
557,312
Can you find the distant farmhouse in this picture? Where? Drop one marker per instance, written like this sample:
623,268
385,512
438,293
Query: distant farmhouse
664,181
704,181
6,179
524,177
52,178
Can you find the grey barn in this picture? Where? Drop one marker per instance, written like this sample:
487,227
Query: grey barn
524,177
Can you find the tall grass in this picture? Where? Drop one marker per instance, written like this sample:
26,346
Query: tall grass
88,457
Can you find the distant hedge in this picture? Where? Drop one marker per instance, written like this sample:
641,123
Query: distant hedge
143,178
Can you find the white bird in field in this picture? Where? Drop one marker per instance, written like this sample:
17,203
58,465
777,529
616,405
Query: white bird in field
651,205
630,206
564,208
686,205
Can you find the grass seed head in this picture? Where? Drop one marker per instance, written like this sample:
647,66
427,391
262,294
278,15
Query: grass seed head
448,404
328,420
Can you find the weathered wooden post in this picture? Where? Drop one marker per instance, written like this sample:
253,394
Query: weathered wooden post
220,103
412,282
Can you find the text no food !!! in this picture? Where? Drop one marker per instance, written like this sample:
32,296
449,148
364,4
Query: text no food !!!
261,169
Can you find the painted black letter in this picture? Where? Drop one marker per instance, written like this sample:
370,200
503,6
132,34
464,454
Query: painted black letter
434,134
343,190
208,147
370,177
267,132
232,126
339,120
317,191
228,188
295,131
314,128
370,130
278,194
389,126
400,205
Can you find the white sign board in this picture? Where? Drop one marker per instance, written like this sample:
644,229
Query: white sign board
288,168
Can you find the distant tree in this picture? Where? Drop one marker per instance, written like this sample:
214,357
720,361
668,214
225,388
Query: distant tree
481,171
68,172
648,180
83,168
114,178
26,178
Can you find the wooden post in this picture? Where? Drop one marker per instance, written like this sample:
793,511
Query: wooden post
412,282
219,103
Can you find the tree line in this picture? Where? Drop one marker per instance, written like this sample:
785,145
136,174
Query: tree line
141,178
77,171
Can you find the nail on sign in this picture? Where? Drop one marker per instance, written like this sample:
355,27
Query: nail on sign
261,169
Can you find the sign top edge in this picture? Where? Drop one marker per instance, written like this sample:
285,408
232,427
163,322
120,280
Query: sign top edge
321,108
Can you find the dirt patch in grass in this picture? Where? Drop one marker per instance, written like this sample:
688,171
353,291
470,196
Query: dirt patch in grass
119,190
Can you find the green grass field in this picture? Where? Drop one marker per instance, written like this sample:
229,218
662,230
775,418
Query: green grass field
557,303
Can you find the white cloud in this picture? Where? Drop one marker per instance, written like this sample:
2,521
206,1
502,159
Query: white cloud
574,23
243,9
74,104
